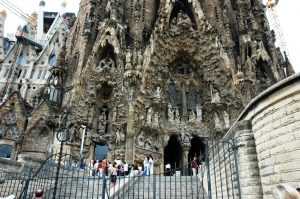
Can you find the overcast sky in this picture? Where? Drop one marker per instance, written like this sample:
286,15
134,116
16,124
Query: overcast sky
288,12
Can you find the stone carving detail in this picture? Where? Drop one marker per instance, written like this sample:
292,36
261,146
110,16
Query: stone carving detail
102,122
215,95
120,135
157,93
156,119
185,138
177,116
147,142
106,65
192,116
226,119
217,121
9,128
170,113
149,116
199,113
180,22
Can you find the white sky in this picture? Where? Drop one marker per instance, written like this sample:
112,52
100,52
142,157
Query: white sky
288,12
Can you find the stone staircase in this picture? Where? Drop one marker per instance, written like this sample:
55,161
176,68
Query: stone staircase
183,187
83,188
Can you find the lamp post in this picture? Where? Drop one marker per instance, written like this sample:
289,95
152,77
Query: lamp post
82,141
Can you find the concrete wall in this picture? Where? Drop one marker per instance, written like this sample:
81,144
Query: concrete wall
271,139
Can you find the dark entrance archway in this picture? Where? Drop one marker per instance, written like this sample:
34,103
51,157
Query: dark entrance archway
172,152
197,150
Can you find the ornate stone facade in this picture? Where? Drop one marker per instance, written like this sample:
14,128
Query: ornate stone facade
138,72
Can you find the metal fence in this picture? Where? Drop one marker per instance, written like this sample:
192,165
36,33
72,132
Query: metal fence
59,177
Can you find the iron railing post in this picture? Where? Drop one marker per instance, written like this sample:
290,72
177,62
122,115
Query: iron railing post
104,185
27,184
58,169
208,172
154,186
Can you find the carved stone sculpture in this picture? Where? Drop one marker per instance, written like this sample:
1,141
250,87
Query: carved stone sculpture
226,119
170,113
192,116
106,64
102,122
177,116
199,113
215,95
217,122
149,116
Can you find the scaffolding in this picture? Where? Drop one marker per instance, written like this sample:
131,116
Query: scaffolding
275,25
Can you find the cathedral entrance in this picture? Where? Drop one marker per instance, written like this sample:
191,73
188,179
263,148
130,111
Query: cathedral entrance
197,150
172,153
100,152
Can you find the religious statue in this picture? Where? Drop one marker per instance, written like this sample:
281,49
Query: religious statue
192,116
102,123
185,137
148,143
215,95
217,122
170,113
120,136
199,113
140,139
226,119
149,116
157,93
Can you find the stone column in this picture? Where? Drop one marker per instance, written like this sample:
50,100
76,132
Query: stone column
250,183
91,151
185,159
185,140
129,155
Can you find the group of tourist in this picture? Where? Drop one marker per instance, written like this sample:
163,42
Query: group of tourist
118,168
98,168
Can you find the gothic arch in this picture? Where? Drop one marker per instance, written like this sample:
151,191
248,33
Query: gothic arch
37,140
106,42
185,7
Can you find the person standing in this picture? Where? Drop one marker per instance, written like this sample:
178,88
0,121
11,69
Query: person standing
194,166
125,166
103,166
113,174
91,168
151,165
146,165
96,168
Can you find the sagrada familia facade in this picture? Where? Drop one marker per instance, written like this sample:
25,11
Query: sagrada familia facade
157,77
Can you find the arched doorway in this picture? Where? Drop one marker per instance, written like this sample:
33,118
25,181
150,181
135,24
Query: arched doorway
172,152
197,150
